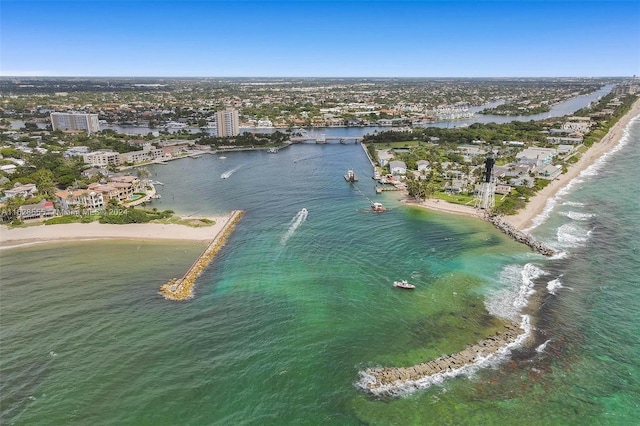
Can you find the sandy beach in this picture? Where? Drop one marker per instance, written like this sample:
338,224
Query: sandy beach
90,231
536,205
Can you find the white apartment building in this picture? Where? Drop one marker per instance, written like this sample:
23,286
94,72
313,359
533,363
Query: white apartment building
149,153
102,158
75,121
228,123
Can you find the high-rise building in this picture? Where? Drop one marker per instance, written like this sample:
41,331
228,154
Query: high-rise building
228,123
75,121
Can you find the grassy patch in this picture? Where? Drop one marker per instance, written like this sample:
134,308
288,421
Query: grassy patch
465,199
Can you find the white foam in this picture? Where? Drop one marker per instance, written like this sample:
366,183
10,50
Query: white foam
401,388
554,285
577,215
228,173
542,347
543,216
508,302
572,235
590,171
295,223
573,204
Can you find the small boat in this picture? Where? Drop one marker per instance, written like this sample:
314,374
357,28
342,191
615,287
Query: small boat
222,158
403,284
378,207
351,176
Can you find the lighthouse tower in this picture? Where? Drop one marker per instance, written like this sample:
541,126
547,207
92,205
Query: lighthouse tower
485,199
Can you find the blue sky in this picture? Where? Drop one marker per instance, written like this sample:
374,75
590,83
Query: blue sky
320,39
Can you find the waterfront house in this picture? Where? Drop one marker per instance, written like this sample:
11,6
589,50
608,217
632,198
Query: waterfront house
43,209
550,172
384,156
536,156
526,181
24,191
71,200
397,168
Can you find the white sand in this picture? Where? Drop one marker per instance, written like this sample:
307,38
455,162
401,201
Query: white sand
90,231
537,203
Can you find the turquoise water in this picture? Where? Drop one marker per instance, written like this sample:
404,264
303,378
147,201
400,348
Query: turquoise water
293,307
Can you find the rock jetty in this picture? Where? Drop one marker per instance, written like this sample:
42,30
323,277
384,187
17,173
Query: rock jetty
394,381
181,289
521,237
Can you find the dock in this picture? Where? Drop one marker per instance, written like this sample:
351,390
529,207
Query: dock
181,289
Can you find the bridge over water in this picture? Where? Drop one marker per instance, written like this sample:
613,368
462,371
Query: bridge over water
322,139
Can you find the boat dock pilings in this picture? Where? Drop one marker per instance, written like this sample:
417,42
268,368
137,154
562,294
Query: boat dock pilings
181,289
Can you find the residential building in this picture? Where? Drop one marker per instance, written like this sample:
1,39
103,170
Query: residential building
397,168
384,157
71,200
423,165
536,156
148,153
75,121
102,158
550,172
24,191
41,210
227,123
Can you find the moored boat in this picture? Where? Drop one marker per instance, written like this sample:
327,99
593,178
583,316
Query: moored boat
403,284
378,207
351,176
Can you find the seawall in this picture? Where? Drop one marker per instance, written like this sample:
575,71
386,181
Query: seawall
181,289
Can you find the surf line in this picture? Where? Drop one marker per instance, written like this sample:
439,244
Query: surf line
181,289
398,381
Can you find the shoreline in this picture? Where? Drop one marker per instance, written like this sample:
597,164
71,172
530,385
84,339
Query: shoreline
524,219
396,381
70,232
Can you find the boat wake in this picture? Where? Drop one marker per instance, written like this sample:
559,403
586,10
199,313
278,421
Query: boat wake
295,223
228,173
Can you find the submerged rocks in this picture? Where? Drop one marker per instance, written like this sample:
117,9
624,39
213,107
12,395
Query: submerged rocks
521,237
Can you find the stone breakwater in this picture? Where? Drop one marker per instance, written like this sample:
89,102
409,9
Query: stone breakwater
181,289
396,381
521,237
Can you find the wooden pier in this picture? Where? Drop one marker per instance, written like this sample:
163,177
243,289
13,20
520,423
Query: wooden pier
181,289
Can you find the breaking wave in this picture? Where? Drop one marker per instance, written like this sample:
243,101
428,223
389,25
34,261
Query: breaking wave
410,386
572,235
577,215
507,303
554,285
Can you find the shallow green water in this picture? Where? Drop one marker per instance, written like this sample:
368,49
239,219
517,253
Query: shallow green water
292,309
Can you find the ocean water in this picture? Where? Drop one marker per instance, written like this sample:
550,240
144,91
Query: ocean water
297,303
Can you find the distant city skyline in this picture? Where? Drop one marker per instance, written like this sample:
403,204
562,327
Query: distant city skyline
319,39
